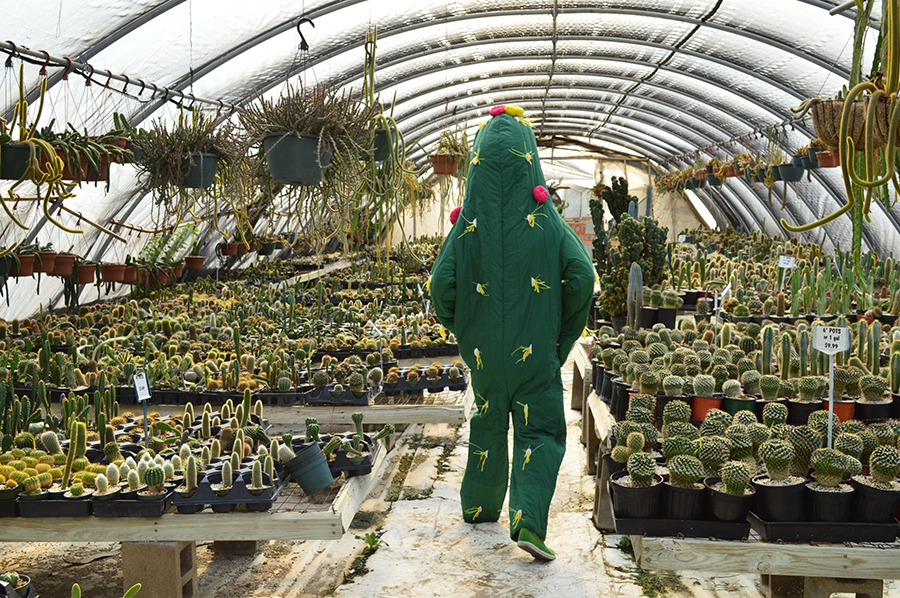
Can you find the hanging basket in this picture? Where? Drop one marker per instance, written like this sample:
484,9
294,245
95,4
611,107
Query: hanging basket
25,267
130,275
47,261
112,272
199,170
443,163
178,270
267,248
64,265
86,273
14,159
826,117
382,144
194,262
296,159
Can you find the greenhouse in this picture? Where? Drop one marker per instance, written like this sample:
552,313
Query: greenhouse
361,298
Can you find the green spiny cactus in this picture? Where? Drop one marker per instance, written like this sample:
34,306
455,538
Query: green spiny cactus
76,490
677,445
744,417
818,421
714,452
769,386
684,471
676,411
680,428
883,432
872,388
750,380
50,441
830,465
641,468
712,427
805,441
639,415
704,386
774,413
778,456
735,477
257,477
849,444
672,386
884,464
635,442
768,341
227,475
809,388
731,388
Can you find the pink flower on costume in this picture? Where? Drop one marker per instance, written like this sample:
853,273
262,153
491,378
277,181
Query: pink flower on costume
454,215
541,194
498,110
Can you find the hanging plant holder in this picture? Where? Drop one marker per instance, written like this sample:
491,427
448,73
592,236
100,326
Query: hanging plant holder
443,163
14,158
194,262
382,144
47,261
296,159
826,117
86,273
25,267
64,265
112,272
199,170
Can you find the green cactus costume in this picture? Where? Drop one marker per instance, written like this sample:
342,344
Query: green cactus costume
514,283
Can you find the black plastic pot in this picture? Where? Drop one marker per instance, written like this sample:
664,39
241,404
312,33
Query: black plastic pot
618,406
382,145
635,503
199,170
790,173
798,413
649,316
873,505
666,316
828,506
690,300
267,248
866,411
780,503
618,322
895,407
597,370
310,469
14,158
681,503
723,506
606,387
292,159
611,465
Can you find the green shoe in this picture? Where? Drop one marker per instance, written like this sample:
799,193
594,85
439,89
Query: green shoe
530,543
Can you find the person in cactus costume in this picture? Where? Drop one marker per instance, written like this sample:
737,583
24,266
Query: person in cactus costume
514,283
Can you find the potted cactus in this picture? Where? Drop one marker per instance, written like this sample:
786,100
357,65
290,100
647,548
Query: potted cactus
829,498
810,389
733,399
873,404
682,495
704,397
877,494
780,496
730,495
769,387
636,491
667,312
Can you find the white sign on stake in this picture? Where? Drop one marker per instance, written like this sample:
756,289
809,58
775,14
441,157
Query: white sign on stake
427,307
421,294
831,340
375,328
682,238
141,386
726,290
786,261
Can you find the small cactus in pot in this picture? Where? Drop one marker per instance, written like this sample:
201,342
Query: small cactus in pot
735,477
641,468
777,455
684,471
884,464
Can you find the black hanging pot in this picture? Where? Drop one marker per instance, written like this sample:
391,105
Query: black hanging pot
199,170
14,159
684,504
296,159
826,505
382,145
267,248
780,503
723,506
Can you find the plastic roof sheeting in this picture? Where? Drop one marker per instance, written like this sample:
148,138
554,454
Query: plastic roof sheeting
660,78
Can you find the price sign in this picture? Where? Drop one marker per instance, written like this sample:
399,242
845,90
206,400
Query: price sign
786,261
830,340
682,238
141,386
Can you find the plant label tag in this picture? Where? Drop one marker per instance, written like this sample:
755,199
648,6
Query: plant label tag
786,261
427,308
726,290
421,294
375,328
831,340
141,386
682,238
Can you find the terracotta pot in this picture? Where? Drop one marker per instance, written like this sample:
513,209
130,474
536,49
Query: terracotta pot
64,265
701,174
842,409
241,248
26,265
701,406
78,168
145,277
86,273
48,258
443,163
112,272
130,275
178,270
159,277
732,171
194,262
229,248
828,159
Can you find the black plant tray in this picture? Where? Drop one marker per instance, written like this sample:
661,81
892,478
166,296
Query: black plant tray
281,399
403,386
8,508
54,508
239,495
815,531
116,507
444,383
688,529
324,396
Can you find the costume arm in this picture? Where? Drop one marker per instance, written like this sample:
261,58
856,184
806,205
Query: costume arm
577,291
443,285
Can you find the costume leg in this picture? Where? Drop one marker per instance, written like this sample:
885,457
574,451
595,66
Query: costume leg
487,469
539,445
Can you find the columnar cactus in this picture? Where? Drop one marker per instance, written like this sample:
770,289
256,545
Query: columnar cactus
112,474
50,441
134,480
777,455
190,474
641,467
768,341
809,388
735,477
684,471
774,413
884,464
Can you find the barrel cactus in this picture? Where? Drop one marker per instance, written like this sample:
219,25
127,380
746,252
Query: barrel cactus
883,432
672,386
642,400
677,445
750,379
676,411
777,455
641,468
704,386
50,441
744,417
830,465
639,415
769,386
621,430
714,452
774,413
731,388
684,471
872,388
805,441
735,477
155,478
884,464
818,421
809,388
849,444
684,429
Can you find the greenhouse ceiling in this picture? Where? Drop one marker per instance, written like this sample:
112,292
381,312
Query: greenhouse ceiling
659,78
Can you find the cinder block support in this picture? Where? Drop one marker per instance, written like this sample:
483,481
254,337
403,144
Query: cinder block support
164,569
824,587
236,546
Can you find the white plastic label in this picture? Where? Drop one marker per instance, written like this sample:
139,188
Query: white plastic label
682,238
141,386
830,340
375,328
726,290
427,308
786,261
421,294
